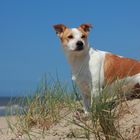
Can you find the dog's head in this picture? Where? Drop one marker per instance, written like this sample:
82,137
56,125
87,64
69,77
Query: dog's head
73,39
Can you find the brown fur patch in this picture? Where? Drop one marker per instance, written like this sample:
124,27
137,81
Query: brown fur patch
64,37
116,67
85,27
83,32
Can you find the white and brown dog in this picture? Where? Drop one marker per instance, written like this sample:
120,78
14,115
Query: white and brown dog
94,69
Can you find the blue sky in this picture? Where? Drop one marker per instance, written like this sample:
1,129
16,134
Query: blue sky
29,47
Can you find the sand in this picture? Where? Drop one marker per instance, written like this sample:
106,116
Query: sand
5,133
62,130
129,123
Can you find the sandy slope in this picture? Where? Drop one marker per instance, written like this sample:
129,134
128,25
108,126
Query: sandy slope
130,120
5,133
129,123
63,130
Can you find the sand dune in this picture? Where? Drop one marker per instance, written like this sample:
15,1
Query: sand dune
129,124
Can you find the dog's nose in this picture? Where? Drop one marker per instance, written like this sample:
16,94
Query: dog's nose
79,45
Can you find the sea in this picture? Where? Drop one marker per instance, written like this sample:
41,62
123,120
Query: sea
10,105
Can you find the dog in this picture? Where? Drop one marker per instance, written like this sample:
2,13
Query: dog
93,69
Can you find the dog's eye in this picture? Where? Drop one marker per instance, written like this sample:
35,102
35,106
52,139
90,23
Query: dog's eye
83,36
70,37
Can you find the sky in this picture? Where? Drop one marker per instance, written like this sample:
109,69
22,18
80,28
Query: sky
29,47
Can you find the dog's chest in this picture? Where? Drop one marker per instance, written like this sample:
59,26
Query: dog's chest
90,71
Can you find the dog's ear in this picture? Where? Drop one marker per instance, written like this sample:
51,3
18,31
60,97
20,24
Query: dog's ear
86,27
59,28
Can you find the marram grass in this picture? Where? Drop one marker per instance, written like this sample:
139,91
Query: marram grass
53,101
49,104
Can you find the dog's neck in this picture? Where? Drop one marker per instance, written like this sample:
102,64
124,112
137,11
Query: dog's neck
78,62
74,58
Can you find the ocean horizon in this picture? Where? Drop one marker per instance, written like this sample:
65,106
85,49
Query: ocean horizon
10,105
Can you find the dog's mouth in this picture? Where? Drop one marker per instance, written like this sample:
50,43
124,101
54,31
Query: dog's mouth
79,48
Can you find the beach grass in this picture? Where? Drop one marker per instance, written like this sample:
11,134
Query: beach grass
53,101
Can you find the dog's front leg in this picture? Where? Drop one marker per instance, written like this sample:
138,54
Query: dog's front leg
86,102
85,92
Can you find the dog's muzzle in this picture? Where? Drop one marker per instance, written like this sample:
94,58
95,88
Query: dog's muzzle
79,46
